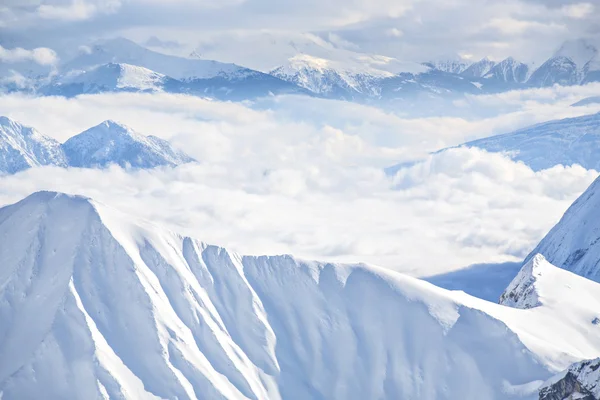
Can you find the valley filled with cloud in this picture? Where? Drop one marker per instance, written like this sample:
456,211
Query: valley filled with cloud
306,176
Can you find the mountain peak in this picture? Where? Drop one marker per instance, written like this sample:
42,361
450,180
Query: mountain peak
522,292
580,51
157,314
111,142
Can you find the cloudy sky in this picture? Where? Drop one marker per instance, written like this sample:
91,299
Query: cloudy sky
407,29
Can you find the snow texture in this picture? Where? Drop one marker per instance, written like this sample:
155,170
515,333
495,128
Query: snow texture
94,305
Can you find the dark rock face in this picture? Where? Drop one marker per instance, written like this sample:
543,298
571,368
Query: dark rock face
566,388
581,381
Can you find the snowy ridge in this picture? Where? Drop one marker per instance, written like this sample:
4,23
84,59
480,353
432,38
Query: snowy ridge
575,62
574,243
509,70
107,77
129,310
479,69
22,147
107,143
541,284
567,141
453,64
523,291
321,77
114,143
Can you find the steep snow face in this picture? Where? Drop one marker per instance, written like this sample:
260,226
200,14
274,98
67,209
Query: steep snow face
580,381
124,51
568,141
560,70
541,284
574,243
94,305
522,292
23,147
509,71
109,77
113,143
479,69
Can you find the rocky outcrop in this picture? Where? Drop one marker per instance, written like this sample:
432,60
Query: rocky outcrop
581,381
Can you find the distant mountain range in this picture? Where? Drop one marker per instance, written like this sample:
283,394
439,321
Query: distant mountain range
565,142
119,64
108,143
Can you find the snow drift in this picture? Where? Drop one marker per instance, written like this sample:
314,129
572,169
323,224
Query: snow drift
93,305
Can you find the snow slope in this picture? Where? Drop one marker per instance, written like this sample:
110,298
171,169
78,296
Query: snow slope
113,143
541,284
23,147
574,243
567,141
94,305
107,77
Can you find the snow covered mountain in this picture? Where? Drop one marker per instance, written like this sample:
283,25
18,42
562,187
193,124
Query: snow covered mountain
107,78
105,144
95,305
321,76
479,69
508,71
114,143
575,62
23,147
567,141
453,64
541,284
574,243
162,72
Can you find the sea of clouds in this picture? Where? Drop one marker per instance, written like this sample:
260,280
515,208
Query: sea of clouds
305,176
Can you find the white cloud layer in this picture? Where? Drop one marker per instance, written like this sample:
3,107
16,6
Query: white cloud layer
304,176
40,55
